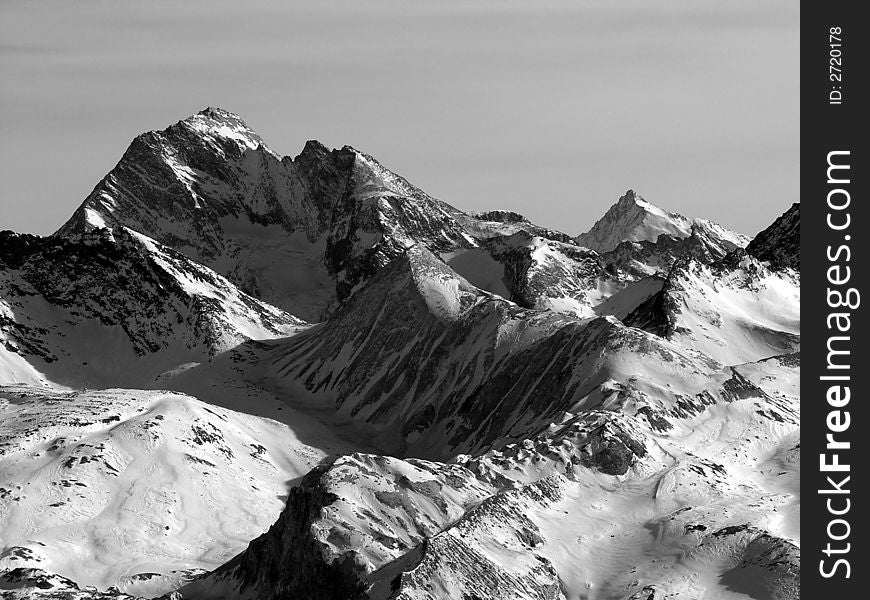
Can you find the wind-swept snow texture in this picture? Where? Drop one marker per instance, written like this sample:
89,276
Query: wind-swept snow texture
240,376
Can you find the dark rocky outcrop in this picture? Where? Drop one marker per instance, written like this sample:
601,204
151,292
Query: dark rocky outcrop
780,243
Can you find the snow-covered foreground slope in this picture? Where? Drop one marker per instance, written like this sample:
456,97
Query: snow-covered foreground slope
138,489
696,501
117,309
580,430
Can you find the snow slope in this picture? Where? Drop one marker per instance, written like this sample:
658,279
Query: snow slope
137,489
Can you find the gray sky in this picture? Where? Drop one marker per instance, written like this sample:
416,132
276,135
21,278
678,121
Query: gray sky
552,109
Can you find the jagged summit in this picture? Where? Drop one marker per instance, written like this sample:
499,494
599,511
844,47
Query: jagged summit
500,216
223,124
166,177
634,219
632,198
217,113
313,148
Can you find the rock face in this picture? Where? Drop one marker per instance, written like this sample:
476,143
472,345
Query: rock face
263,571
484,409
780,244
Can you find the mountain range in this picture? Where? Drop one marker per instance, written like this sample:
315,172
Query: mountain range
232,374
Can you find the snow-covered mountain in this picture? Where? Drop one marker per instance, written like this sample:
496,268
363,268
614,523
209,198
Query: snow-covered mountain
302,233
299,232
116,308
633,219
423,403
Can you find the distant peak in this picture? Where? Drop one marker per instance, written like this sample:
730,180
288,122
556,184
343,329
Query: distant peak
633,219
215,117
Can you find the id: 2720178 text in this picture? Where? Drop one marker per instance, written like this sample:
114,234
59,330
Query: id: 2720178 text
835,65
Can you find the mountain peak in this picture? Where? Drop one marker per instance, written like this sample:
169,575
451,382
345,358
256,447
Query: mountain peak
415,284
630,197
220,123
633,200
634,219
315,147
216,112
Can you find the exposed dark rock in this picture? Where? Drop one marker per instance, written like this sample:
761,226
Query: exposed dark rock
780,243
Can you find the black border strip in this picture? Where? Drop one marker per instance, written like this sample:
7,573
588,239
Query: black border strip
835,234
